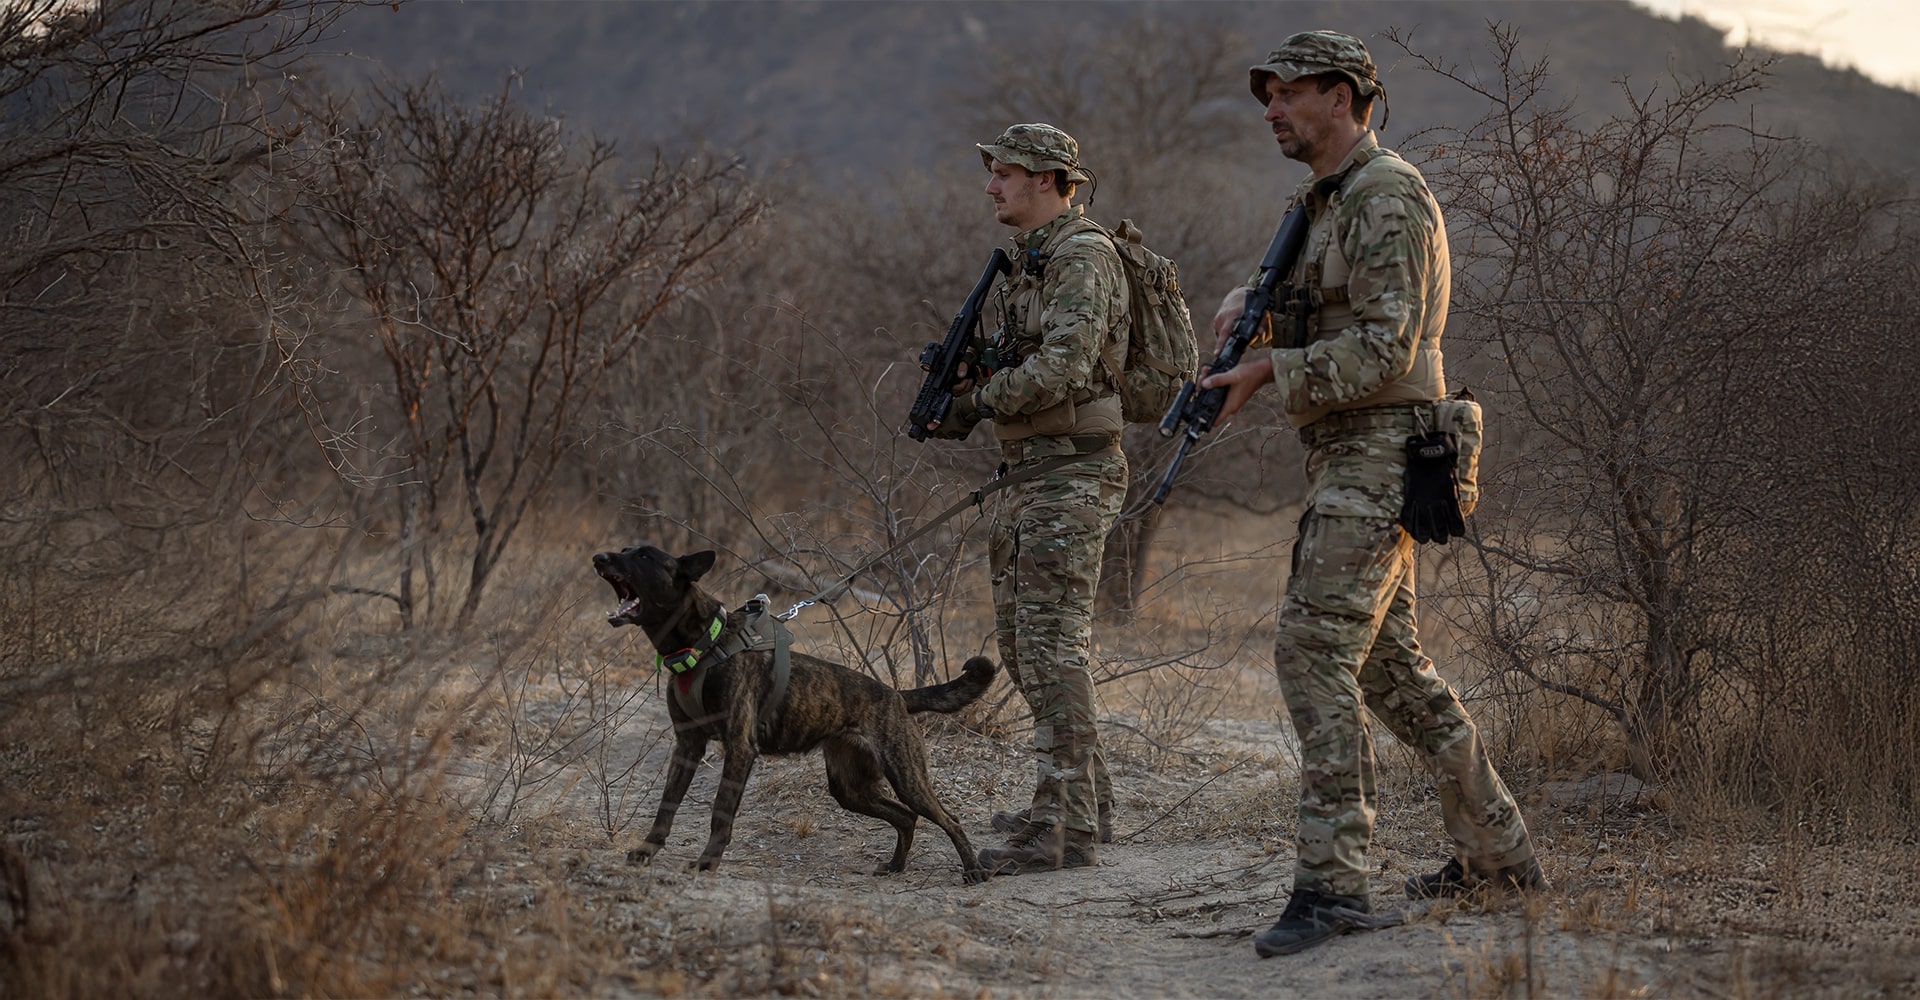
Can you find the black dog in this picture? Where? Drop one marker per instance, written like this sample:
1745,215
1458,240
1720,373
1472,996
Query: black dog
860,723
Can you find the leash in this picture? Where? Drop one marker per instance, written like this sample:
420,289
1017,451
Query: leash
762,630
1000,481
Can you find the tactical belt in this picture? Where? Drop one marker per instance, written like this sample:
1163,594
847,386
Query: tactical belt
1341,423
1083,445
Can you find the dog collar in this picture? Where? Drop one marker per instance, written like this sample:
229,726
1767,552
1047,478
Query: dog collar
688,658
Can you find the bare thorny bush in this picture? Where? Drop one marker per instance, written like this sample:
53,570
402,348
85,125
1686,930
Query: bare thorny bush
199,796
1681,328
138,341
132,346
263,784
505,268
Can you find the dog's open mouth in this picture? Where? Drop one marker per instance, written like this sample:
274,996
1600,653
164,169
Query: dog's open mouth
629,601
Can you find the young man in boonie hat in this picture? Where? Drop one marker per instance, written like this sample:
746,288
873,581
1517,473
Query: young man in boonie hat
1050,394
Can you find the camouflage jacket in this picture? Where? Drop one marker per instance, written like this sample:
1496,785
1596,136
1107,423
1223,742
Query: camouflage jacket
1060,319
1376,265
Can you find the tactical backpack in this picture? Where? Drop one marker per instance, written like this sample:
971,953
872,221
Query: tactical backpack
1161,351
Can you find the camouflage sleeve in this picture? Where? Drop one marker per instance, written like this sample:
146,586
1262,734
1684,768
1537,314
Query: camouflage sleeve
1081,299
1388,235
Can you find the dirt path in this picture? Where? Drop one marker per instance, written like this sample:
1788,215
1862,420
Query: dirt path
1167,913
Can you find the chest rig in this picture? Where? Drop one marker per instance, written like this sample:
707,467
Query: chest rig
1318,306
1023,308
1320,309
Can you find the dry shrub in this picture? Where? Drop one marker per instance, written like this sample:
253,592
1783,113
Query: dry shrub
515,266
1682,329
207,794
223,772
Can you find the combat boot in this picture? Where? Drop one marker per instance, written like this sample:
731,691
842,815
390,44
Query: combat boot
1014,822
1313,917
1454,880
1040,850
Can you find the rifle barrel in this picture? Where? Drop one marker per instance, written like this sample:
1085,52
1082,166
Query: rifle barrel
1173,469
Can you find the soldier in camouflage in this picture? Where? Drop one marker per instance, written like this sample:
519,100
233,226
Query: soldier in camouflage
1356,381
1050,393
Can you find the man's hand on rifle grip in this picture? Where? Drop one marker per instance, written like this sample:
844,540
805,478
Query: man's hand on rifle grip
1255,368
1241,381
962,385
962,379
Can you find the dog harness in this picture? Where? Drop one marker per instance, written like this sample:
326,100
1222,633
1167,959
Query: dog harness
758,631
688,658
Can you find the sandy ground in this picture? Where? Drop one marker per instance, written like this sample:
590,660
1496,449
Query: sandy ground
1202,862
1205,793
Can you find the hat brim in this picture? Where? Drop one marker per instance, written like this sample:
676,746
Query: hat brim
1291,71
1006,154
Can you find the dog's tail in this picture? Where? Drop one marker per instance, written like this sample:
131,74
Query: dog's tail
974,680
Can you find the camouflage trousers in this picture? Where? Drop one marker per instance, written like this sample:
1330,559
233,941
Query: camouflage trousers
1044,550
1347,649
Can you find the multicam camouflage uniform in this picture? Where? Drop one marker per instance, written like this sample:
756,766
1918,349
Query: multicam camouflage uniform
1376,265
1063,315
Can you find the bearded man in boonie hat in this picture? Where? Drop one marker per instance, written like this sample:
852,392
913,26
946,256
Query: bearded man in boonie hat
1325,59
1359,371
1049,391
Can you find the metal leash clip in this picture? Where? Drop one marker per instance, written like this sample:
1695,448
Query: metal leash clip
755,609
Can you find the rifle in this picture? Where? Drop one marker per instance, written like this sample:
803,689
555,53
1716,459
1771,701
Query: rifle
1199,408
941,361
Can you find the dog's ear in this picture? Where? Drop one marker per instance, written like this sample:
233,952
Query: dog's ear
693,566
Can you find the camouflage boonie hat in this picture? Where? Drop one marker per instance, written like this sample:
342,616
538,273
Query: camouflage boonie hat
1037,147
1310,53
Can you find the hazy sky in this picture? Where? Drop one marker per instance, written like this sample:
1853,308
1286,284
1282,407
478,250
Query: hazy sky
1880,38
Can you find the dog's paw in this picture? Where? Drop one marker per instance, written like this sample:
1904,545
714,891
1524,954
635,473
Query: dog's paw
643,854
974,876
706,864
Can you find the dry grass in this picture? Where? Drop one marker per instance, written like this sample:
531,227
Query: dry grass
338,810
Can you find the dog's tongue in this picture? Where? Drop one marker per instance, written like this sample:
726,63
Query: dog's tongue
619,617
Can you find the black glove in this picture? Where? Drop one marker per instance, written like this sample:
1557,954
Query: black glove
1431,512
